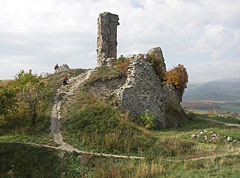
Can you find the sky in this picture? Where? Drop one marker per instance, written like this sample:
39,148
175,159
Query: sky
203,35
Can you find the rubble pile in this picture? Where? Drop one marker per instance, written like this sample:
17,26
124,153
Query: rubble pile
210,136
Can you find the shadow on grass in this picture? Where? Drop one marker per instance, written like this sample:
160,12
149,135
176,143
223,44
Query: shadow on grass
199,121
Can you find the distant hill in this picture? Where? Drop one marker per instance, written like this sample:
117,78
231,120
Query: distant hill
218,90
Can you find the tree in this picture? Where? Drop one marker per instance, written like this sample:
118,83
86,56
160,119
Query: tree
30,91
30,96
8,100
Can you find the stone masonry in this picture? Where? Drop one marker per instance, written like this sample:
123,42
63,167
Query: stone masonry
107,38
157,52
142,91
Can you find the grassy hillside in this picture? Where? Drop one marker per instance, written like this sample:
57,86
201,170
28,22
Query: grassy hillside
16,126
100,125
173,144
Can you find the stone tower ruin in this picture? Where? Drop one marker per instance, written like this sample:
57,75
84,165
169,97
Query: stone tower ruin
107,38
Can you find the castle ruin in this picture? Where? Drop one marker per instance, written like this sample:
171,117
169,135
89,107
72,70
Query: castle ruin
107,38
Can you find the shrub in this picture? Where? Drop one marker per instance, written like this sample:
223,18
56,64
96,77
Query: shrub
148,120
178,77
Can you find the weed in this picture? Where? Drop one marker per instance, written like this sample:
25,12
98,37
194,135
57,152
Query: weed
148,120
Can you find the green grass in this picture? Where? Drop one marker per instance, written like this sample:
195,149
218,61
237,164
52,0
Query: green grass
104,73
93,125
96,125
18,160
16,128
24,161
223,119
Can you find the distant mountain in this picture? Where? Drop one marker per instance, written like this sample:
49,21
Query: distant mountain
218,90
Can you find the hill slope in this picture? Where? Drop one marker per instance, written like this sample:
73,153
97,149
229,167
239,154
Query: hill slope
219,90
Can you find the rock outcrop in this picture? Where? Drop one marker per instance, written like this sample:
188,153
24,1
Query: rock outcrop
107,38
142,91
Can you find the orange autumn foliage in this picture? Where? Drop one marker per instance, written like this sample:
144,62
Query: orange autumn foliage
122,63
178,77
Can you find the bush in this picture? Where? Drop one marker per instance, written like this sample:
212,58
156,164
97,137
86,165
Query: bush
178,77
148,120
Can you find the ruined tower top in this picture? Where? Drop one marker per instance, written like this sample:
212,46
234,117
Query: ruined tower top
107,38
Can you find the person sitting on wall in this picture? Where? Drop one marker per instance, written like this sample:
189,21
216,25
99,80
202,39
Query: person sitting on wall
56,67
65,81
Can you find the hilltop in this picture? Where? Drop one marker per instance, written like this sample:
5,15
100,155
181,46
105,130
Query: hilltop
95,124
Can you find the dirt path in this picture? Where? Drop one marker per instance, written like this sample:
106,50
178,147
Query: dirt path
65,92
225,123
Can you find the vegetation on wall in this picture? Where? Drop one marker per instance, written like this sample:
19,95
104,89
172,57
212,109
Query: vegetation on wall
178,77
156,63
122,63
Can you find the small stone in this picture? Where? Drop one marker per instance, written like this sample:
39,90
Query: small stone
193,136
214,135
229,139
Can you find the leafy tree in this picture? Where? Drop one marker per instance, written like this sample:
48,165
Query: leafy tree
29,96
8,100
30,91
22,96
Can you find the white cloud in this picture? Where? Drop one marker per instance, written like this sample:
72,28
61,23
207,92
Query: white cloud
216,40
214,69
52,31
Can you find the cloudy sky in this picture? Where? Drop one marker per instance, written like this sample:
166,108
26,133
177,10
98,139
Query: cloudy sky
203,35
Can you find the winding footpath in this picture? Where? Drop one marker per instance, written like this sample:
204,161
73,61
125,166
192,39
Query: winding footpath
55,127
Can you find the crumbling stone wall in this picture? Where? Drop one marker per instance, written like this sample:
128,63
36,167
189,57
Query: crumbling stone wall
142,91
107,38
157,52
